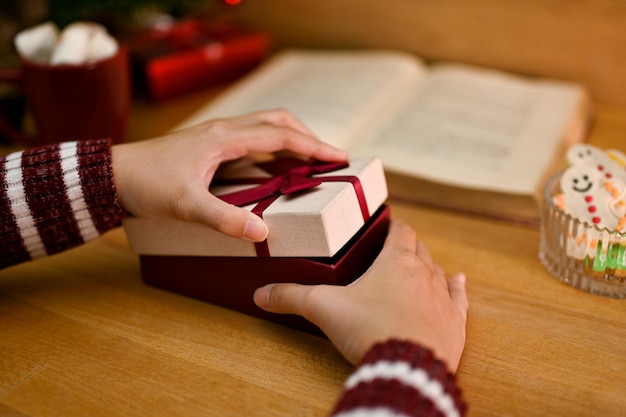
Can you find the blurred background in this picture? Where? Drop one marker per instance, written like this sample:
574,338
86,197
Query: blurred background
119,16
581,41
127,20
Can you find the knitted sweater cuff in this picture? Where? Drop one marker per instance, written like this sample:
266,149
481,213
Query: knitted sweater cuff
57,196
398,378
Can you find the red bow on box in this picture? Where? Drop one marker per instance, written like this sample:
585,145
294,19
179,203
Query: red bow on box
289,176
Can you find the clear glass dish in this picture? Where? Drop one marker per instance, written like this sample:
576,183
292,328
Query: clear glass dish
578,253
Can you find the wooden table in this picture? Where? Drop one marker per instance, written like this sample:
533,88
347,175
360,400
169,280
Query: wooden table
81,335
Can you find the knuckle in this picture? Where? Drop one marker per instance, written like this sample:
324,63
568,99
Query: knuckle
278,297
219,221
183,205
281,113
309,302
179,202
220,127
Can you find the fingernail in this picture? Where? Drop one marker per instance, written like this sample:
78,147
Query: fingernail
343,152
255,231
460,278
261,296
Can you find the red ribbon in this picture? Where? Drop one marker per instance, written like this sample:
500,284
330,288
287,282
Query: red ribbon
289,176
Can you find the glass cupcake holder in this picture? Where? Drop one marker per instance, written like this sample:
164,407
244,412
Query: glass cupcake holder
578,253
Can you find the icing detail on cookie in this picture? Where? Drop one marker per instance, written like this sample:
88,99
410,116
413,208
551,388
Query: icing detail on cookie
559,200
618,156
588,197
617,189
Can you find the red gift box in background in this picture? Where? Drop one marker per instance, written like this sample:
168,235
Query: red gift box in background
193,54
231,281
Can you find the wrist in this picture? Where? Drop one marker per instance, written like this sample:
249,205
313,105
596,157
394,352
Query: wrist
405,377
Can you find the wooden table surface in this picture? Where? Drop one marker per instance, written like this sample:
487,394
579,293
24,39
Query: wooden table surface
81,335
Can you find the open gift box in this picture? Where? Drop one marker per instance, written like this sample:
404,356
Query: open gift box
231,281
327,233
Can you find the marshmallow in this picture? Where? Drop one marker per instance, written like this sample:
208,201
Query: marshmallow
78,43
37,43
101,46
73,45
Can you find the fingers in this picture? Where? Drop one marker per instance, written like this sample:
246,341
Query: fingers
400,237
424,254
282,298
237,222
278,117
226,218
419,248
458,294
268,132
286,138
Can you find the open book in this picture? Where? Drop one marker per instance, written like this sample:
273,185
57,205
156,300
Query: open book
449,135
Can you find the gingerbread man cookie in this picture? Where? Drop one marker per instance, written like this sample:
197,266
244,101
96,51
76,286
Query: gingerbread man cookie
611,164
588,196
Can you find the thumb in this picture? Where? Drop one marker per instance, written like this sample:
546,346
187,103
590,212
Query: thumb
282,298
229,219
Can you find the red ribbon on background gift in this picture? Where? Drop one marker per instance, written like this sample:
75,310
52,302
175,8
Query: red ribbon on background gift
289,176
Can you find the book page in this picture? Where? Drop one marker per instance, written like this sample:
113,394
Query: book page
478,129
338,95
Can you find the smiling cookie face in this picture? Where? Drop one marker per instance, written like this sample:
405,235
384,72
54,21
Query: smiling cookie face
580,179
582,183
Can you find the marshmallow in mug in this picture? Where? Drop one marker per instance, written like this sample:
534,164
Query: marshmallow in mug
78,43
37,43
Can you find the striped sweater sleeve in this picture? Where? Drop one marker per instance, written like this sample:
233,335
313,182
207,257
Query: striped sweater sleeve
400,379
55,197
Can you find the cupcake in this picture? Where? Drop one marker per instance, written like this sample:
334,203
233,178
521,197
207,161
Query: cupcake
583,230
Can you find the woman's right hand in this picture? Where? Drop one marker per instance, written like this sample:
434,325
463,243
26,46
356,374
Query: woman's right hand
404,295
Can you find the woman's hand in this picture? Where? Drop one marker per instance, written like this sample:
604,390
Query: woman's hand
170,176
404,295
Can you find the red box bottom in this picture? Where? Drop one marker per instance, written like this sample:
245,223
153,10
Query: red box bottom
231,281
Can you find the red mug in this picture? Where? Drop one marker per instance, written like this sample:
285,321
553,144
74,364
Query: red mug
73,101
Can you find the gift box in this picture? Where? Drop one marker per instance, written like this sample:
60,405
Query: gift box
193,54
231,281
327,223
311,209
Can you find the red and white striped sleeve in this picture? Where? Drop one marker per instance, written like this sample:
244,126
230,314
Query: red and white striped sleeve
55,197
400,379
